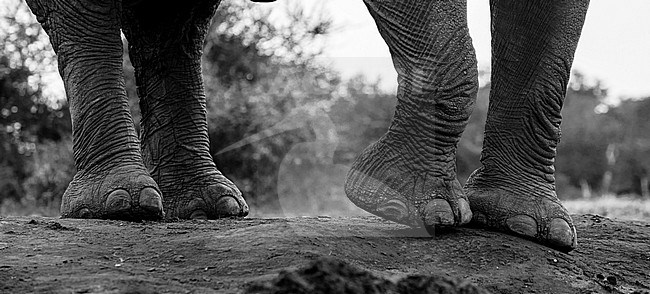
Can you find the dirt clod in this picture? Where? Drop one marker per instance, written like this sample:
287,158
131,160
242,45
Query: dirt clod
324,276
611,280
58,227
328,275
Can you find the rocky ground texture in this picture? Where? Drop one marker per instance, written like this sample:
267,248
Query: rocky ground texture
291,255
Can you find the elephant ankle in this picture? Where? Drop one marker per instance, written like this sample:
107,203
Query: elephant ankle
535,184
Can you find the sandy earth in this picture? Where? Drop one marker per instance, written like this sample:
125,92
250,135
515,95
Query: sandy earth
47,255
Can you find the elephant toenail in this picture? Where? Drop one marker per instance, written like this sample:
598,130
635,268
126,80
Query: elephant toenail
523,225
479,218
196,209
438,212
118,200
85,213
244,210
151,201
199,214
465,211
393,210
228,206
561,233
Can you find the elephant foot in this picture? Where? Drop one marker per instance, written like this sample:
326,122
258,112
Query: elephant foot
124,193
207,196
405,185
532,214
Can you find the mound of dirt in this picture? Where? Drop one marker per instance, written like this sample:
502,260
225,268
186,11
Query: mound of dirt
329,275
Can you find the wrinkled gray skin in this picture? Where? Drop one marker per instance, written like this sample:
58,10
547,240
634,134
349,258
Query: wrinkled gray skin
119,176
408,176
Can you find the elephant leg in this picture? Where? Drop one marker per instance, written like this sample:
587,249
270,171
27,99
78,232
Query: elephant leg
165,47
533,43
111,180
409,175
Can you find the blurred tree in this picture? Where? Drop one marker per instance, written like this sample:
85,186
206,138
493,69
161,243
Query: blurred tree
28,118
630,158
257,71
603,147
362,115
581,161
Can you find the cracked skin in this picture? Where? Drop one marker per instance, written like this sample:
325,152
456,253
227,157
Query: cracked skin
408,176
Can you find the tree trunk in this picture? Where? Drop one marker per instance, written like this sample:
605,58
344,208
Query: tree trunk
645,192
586,190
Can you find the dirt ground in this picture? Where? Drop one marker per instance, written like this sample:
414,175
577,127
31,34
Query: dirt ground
47,255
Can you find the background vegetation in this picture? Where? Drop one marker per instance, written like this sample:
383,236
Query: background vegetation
285,127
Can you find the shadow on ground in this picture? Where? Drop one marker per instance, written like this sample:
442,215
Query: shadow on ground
46,255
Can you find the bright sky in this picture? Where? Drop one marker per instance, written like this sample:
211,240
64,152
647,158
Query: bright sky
615,43
614,47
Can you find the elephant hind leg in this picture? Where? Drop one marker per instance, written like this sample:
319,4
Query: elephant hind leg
533,43
111,181
165,48
534,215
409,175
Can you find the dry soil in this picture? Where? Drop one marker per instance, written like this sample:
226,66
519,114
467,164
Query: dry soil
48,255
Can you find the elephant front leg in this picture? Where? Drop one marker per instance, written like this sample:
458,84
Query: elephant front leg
533,43
409,175
111,180
165,46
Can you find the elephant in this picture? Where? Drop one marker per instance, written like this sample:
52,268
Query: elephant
408,176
